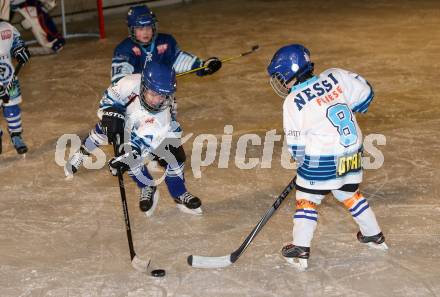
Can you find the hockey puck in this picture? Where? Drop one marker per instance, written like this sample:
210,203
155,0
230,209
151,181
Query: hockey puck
158,273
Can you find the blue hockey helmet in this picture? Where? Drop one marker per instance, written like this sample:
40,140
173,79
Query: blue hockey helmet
138,17
158,85
289,62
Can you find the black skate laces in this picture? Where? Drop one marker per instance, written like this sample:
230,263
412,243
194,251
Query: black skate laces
77,160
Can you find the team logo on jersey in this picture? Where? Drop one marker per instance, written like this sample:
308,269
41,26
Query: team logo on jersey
350,163
136,51
149,121
161,48
149,57
6,34
5,72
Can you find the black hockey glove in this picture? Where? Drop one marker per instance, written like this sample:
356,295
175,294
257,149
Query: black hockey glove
113,124
21,54
212,64
4,94
124,162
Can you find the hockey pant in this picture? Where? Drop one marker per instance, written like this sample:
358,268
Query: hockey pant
306,215
170,155
42,25
173,160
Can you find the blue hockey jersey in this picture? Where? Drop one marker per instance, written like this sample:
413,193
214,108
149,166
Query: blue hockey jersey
131,57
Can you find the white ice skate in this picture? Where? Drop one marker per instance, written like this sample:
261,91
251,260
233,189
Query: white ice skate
297,256
73,164
376,241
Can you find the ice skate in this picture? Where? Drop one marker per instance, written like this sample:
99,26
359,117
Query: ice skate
376,241
297,256
148,200
75,162
18,143
188,203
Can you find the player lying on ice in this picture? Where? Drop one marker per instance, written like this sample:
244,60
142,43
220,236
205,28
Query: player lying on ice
326,142
141,103
143,46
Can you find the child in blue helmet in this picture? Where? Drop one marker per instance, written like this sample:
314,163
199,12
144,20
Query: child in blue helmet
326,142
138,105
143,46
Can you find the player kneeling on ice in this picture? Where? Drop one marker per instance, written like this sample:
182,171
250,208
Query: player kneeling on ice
142,103
11,44
325,140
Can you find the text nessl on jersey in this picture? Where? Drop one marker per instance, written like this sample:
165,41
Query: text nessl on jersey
323,91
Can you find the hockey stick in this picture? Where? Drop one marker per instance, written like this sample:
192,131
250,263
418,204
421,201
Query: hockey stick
253,49
136,262
16,71
224,261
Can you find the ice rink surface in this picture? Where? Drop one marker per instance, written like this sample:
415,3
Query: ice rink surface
60,238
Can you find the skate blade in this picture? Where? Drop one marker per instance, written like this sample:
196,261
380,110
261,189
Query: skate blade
382,246
150,212
68,174
298,263
197,211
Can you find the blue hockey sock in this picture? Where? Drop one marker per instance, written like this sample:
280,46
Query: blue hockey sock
175,180
12,115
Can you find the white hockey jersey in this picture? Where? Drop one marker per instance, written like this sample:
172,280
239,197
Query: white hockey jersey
10,39
145,130
321,129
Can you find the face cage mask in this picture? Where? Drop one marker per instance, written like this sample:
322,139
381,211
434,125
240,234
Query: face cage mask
279,85
164,104
131,31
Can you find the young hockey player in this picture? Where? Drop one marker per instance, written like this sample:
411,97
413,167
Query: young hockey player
11,45
143,46
141,103
36,17
325,140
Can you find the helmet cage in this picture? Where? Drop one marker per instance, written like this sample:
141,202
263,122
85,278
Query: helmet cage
162,105
279,83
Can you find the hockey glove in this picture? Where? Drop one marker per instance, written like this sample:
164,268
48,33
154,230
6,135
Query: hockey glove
21,54
4,94
113,123
124,162
212,64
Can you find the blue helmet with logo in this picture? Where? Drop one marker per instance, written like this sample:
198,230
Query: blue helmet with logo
158,85
291,62
140,16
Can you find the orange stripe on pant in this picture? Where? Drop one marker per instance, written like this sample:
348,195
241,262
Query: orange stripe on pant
353,200
303,203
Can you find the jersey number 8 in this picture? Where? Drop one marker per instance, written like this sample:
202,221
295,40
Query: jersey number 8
341,117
